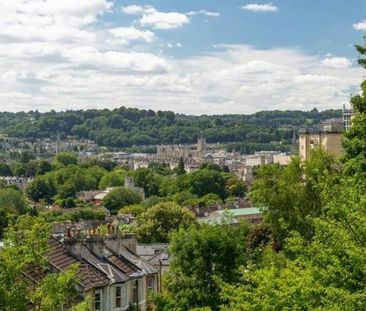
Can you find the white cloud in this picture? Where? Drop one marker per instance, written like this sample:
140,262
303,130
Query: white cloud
337,62
50,20
179,45
133,9
360,25
255,7
203,12
162,20
63,59
125,35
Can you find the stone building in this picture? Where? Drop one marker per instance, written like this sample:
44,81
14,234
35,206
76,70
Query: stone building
109,270
327,137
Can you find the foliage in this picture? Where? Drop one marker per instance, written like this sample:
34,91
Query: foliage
292,196
5,170
202,254
160,220
205,181
126,127
42,188
66,158
120,197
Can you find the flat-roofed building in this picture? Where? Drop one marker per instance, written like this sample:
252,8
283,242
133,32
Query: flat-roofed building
326,137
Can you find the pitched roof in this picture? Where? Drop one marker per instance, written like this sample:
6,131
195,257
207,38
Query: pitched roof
89,276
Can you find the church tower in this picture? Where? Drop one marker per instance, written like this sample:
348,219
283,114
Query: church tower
201,143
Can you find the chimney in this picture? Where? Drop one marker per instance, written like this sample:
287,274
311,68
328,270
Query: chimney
68,232
108,229
130,242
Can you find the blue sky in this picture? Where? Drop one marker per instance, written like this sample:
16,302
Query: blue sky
195,57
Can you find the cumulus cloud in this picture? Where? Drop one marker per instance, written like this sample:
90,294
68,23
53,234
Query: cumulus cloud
258,8
337,62
77,67
162,20
203,12
50,20
125,35
360,25
150,17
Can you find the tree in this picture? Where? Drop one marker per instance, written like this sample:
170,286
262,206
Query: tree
5,170
292,196
147,179
112,179
234,186
43,167
160,220
42,188
180,170
66,158
206,181
12,201
120,197
28,239
200,255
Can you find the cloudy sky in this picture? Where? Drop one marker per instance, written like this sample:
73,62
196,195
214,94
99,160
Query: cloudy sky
192,56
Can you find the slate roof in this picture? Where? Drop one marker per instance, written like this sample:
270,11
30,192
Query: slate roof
89,276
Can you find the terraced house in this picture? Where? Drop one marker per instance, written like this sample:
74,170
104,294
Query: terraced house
109,269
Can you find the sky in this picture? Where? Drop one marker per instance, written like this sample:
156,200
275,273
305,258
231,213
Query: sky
191,56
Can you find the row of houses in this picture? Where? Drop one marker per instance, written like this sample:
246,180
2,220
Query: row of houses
110,270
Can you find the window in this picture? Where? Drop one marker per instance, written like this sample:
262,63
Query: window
118,297
150,283
97,301
135,291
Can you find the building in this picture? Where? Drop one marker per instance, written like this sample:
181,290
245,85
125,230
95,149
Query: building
252,215
348,115
110,271
327,137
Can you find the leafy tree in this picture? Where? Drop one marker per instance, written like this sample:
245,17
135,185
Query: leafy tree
200,255
234,186
180,170
28,239
206,181
292,196
160,220
43,167
66,158
12,201
147,179
120,197
42,188
112,179
5,170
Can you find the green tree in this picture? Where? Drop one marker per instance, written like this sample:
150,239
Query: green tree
5,170
180,170
292,196
205,181
160,220
200,255
66,158
120,197
42,188
147,179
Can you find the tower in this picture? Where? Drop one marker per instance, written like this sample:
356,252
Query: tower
201,143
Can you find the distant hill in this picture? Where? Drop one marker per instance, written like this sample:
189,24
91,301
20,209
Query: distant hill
127,127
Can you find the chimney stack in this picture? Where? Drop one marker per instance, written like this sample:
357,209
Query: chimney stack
68,232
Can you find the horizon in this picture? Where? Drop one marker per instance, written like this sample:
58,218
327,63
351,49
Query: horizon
193,58
176,113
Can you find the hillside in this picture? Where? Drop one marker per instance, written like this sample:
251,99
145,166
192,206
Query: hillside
126,127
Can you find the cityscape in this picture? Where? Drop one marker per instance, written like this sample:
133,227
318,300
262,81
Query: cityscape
182,156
